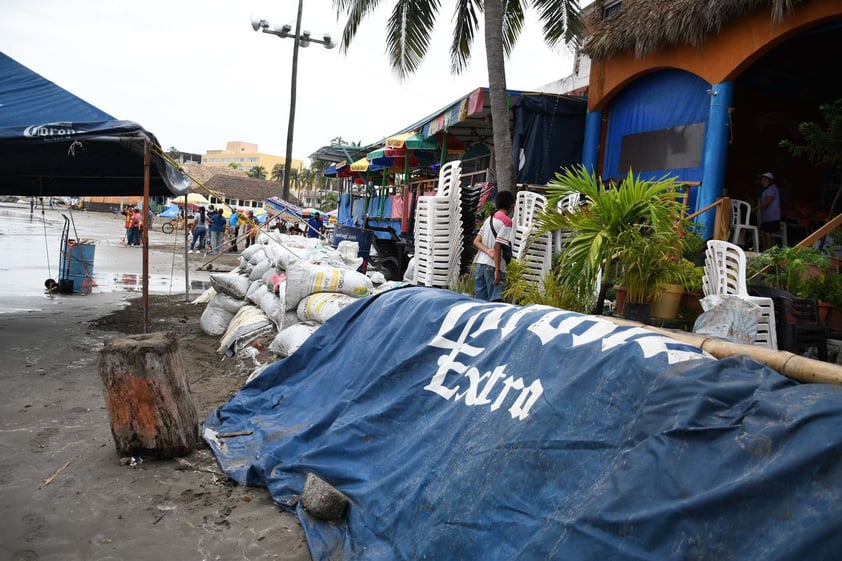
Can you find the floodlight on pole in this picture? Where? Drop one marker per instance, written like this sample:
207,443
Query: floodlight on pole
301,40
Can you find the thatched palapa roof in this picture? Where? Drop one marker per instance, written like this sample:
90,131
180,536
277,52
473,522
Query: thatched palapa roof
644,26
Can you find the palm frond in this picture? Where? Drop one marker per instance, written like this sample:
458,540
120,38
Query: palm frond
562,21
409,29
465,24
513,18
356,10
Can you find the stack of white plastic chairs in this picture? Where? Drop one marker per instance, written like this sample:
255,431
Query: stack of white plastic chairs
725,274
567,204
533,251
438,231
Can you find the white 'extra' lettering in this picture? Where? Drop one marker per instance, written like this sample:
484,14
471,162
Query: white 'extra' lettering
481,385
495,387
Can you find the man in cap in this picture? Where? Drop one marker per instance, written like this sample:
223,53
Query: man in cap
770,209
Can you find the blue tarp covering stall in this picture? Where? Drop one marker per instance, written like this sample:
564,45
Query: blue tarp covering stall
496,432
548,133
54,143
657,127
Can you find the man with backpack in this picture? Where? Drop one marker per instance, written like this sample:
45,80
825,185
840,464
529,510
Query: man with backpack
494,250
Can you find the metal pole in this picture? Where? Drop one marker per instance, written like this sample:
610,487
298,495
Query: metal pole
292,92
147,161
186,268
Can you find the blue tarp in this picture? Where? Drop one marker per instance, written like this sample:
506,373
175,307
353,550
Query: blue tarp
547,135
171,211
671,101
54,143
496,432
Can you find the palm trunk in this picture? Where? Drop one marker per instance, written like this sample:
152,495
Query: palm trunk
503,161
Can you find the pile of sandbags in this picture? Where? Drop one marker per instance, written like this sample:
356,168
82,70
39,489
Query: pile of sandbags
287,285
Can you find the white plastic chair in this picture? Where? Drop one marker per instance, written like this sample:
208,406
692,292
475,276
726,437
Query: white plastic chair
532,251
725,273
569,204
741,224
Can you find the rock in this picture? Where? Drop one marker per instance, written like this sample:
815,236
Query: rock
322,500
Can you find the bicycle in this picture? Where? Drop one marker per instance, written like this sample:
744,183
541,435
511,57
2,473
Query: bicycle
173,225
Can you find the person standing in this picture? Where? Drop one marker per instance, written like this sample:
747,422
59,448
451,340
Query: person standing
314,226
251,229
127,223
217,231
200,229
496,232
137,224
234,226
770,209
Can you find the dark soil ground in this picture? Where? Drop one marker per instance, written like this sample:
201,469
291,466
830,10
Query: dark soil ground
68,496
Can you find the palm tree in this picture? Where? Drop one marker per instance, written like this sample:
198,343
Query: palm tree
408,37
278,172
257,172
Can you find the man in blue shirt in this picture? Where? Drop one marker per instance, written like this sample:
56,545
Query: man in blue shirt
234,224
314,228
217,231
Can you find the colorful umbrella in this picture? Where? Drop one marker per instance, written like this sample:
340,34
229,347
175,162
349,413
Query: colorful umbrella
192,199
363,165
411,141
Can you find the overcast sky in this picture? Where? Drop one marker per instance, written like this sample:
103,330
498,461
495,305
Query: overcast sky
194,73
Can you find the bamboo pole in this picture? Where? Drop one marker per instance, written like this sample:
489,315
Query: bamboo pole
821,232
795,367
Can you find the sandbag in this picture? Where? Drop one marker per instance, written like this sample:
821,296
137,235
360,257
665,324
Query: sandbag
215,320
268,279
271,304
390,285
260,269
232,284
253,252
282,256
290,339
227,303
323,306
204,297
729,317
249,324
304,279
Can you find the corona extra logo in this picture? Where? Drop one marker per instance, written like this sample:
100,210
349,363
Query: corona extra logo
50,130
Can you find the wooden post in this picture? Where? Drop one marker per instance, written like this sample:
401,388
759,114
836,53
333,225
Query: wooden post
150,407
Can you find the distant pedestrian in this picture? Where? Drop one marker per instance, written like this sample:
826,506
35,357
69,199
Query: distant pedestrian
200,229
234,225
251,229
314,225
127,223
134,230
217,231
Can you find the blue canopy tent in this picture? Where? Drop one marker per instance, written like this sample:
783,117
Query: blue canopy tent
53,143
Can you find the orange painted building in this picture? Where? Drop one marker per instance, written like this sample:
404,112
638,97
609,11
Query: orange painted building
711,102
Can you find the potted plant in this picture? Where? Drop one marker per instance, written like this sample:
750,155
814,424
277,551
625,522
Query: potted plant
621,227
653,272
787,268
826,289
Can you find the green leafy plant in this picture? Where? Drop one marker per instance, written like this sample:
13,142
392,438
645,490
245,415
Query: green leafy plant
635,226
523,291
787,268
822,144
465,283
825,287
649,260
